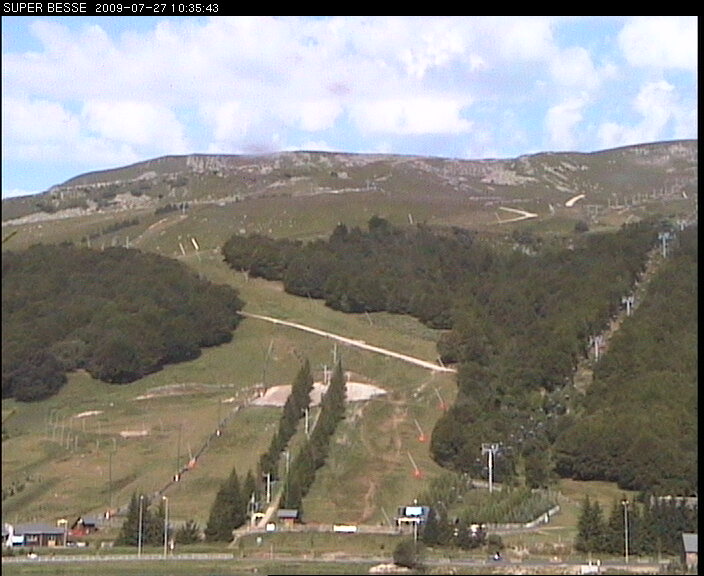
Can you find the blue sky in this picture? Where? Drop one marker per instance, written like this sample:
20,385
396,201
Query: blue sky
89,93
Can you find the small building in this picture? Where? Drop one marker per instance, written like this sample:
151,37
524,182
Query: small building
691,554
289,516
34,535
409,515
85,525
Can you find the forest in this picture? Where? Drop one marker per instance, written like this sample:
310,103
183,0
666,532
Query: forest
517,323
638,424
118,313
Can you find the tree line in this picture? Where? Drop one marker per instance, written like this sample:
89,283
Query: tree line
316,447
655,526
294,409
117,313
519,322
236,500
407,271
638,420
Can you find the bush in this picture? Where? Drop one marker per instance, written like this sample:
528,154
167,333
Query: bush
189,533
494,542
409,553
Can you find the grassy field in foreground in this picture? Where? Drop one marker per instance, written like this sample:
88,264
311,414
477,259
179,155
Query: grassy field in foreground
73,452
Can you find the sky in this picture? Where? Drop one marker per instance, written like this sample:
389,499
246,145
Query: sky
90,93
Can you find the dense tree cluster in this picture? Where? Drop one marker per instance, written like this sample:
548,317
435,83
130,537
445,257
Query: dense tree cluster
294,409
228,512
118,313
235,501
316,447
639,425
518,336
151,529
520,321
411,271
655,526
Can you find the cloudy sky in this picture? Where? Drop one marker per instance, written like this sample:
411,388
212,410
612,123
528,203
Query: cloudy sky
83,93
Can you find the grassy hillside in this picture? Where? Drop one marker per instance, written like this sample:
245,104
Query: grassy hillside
185,208
74,477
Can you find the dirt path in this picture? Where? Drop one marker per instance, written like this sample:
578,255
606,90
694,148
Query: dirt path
351,342
523,215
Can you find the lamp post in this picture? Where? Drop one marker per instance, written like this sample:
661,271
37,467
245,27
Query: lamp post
139,538
625,527
166,523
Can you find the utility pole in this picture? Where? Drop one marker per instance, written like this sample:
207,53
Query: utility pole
139,538
490,449
628,301
166,523
178,449
109,482
598,342
625,527
664,238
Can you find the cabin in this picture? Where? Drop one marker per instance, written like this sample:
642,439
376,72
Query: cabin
38,535
288,516
85,525
691,554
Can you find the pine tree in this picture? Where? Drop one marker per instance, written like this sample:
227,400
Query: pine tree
301,388
590,526
432,530
613,541
227,512
249,492
129,532
154,523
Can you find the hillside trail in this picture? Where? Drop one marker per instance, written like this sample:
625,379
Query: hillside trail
386,459
600,342
352,342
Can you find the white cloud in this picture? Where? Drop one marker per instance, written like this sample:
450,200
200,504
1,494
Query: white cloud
37,123
152,127
523,38
313,116
435,47
657,104
661,42
573,68
561,122
411,116
229,121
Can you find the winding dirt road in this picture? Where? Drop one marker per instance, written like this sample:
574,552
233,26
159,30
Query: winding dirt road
351,342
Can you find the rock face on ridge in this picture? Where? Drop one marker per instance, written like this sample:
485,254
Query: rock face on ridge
606,178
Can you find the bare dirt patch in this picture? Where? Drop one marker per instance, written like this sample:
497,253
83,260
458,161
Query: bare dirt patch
356,392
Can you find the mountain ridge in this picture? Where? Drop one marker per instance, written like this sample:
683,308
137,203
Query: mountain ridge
202,177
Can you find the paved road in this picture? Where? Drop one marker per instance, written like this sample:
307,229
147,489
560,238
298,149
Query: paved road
502,566
351,342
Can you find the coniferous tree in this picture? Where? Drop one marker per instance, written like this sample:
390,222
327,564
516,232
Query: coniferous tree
155,525
432,529
249,492
152,525
613,541
129,532
227,512
590,526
